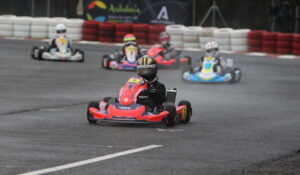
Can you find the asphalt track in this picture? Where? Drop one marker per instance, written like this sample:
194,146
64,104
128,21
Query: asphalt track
234,127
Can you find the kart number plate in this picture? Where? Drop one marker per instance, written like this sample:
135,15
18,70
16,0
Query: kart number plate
209,59
134,80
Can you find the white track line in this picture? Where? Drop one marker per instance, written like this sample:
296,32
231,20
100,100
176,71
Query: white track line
89,161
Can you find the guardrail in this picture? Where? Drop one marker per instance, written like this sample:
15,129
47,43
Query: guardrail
237,40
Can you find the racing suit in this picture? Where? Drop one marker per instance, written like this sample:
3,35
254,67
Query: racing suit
169,52
53,45
154,97
121,56
217,66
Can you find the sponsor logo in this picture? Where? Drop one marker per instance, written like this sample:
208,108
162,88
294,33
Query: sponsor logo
163,14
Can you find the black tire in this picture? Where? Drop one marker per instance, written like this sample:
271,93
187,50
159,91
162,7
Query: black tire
33,52
109,101
171,119
239,78
234,78
189,110
90,117
102,61
41,51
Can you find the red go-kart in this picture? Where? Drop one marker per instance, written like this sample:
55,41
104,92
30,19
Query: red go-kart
126,110
170,59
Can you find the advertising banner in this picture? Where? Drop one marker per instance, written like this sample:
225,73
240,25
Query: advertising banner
137,11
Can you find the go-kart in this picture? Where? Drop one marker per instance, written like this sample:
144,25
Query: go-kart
118,62
208,74
125,109
172,59
63,53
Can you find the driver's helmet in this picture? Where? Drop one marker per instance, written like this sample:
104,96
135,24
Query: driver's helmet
129,39
60,29
211,49
164,38
147,67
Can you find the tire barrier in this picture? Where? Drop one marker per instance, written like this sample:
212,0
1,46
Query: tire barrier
284,43
90,31
7,25
74,28
222,37
269,42
22,26
141,32
121,30
296,44
255,40
106,32
52,23
239,40
176,33
154,32
39,27
206,34
191,37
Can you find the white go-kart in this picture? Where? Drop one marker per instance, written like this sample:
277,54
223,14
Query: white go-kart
63,53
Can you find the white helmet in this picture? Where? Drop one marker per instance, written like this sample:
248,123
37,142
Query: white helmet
211,48
60,28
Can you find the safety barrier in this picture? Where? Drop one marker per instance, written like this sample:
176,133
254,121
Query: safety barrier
296,44
255,40
269,42
39,27
90,31
237,40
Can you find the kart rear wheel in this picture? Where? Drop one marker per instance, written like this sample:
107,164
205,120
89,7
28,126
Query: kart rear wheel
81,52
188,111
171,118
90,117
235,79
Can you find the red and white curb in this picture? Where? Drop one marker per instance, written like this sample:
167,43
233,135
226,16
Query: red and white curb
255,54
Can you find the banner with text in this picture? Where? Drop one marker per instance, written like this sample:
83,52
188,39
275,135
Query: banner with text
137,11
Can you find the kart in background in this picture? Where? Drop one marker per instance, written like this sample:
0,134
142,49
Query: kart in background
126,110
208,75
63,52
172,60
117,62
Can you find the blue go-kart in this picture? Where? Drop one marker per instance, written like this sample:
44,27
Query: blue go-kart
208,73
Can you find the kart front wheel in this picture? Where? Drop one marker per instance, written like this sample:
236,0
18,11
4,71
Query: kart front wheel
81,53
186,61
90,117
171,118
36,53
187,112
105,62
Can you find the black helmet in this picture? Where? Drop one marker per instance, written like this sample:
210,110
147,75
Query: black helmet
147,67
